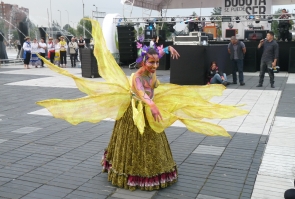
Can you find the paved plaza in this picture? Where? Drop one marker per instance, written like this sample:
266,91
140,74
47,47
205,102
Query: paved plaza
46,158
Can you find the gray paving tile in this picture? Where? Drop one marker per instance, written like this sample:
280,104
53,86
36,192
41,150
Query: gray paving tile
26,130
1,141
210,150
201,196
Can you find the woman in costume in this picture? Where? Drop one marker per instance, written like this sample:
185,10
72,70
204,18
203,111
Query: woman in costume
27,52
35,61
141,161
56,52
138,155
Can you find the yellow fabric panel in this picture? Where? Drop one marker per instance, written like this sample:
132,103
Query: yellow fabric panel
205,92
88,109
138,116
107,65
205,128
87,86
159,127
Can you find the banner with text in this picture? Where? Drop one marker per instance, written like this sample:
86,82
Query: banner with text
240,8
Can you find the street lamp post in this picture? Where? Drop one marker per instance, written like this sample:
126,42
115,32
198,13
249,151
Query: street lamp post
68,17
60,19
96,10
73,24
51,29
83,21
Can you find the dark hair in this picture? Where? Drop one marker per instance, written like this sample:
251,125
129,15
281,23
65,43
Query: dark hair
284,9
271,33
150,51
214,62
154,37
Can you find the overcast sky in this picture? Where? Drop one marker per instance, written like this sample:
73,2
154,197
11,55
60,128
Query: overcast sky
38,9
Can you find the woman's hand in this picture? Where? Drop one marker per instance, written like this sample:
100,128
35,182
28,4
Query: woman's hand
156,113
173,52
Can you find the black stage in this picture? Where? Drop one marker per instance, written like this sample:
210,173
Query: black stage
191,67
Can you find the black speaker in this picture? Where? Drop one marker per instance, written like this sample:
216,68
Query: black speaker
162,35
192,72
58,34
291,68
89,64
127,46
250,60
230,33
42,32
23,31
1,36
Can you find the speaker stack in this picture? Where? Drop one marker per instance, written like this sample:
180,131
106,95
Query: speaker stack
291,68
89,63
23,27
42,32
250,60
127,45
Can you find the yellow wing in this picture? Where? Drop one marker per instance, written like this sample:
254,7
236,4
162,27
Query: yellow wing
107,65
88,109
89,87
205,128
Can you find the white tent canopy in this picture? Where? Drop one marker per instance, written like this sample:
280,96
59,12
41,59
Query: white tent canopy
186,4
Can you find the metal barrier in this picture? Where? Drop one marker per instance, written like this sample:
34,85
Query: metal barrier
7,62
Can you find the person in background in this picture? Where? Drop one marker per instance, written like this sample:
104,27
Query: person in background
81,44
51,50
154,41
216,76
63,52
42,48
27,52
284,14
73,46
269,58
35,61
237,50
290,193
77,50
57,52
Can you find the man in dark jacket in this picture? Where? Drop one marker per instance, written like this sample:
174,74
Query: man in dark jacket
269,58
237,50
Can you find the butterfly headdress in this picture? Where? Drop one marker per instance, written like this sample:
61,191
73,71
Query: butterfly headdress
143,49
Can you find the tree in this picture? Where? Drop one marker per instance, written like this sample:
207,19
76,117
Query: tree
217,11
275,23
88,28
67,27
167,31
72,31
15,35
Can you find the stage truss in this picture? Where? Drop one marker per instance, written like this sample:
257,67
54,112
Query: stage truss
213,18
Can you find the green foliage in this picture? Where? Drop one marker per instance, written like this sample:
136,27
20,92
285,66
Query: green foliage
217,11
15,35
275,23
116,40
2,28
67,27
72,31
168,33
88,28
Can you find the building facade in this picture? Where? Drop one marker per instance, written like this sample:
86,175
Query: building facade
13,14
